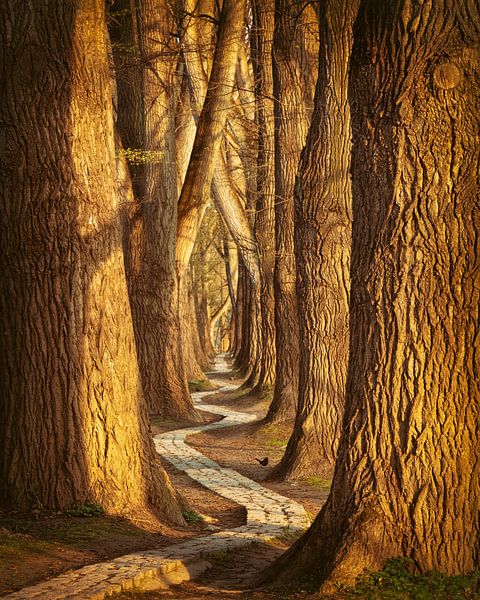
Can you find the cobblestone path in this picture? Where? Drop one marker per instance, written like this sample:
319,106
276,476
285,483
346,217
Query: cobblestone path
269,515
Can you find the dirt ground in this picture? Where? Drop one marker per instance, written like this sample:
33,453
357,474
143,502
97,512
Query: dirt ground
231,576
239,447
40,546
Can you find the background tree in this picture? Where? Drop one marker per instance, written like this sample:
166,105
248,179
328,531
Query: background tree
73,422
261,39
211,122
295,59
145,60
322,248
406,482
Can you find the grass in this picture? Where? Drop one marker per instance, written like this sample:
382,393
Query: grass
275,443
200,386
274,435
397,581
75,531
162,422
14,545
87,509
318,482
192,517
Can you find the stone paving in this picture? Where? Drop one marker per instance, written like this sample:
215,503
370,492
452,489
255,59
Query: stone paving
269,515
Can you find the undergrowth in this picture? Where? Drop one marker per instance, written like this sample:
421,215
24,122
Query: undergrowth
191,517
397,581
87,509
318,482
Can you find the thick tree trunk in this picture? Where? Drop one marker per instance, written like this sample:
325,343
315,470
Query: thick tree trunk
73,424
295,58
262,39
151,220
322,246
196,187
407,480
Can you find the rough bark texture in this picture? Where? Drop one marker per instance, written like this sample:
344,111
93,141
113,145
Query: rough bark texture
73,424
261,44
295,59
147,124
232,210
322,246
194,358
211,122
407,480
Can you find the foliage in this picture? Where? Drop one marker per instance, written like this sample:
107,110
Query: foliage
397,581
87,509
137,156
191,517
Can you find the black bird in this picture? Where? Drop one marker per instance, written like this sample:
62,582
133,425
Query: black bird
263,461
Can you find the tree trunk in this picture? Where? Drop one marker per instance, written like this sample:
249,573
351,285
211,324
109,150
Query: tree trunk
262,38
322,246
407,479
194,358
73,424
196,187
238,330
151,219
295,54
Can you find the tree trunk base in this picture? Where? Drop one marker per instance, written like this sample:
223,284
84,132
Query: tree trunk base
336,552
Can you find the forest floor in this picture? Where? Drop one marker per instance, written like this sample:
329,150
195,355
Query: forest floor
38,546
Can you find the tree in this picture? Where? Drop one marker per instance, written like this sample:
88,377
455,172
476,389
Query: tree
145,60
322,248
211,122
73,423
295,56
263,375
406,481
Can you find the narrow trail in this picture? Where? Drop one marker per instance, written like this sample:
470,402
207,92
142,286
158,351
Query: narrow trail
269,515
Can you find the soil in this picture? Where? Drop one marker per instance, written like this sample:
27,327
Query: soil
231,576
40,546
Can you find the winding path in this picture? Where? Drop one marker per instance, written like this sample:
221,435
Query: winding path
269,515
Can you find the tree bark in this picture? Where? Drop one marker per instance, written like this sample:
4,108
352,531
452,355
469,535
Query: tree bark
73,424
150,221
322,247
196,187
261,45
295,58
407,481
